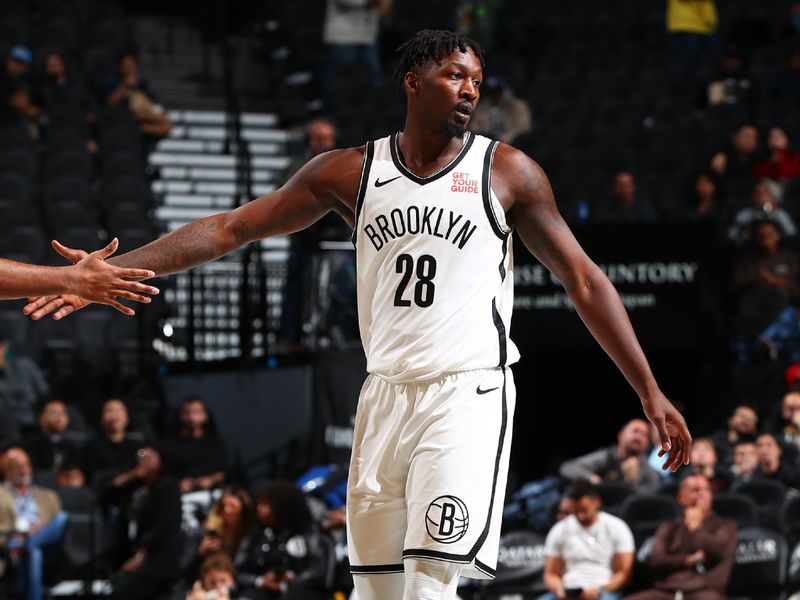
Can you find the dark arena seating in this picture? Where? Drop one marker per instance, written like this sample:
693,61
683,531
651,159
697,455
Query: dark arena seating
674,164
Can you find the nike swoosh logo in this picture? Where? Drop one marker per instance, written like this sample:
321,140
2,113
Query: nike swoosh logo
379,183
479,391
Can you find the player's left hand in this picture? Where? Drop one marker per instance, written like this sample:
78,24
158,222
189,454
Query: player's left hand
672,431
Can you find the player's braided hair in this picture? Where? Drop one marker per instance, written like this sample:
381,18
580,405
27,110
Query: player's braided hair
432,44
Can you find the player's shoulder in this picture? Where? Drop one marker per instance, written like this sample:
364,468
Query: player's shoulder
334,164
511,159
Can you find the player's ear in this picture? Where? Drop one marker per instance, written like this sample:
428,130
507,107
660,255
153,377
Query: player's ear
411,82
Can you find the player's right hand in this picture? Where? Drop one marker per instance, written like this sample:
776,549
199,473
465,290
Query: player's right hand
93,280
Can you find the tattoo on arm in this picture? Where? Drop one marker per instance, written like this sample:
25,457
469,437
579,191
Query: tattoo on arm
541,200
191,245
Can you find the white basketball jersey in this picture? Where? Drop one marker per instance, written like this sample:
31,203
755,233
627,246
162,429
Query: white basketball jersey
434,265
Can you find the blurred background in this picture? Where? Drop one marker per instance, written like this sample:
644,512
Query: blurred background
668,129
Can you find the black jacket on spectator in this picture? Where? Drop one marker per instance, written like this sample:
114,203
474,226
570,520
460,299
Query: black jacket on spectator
266,550
106,459
156,513
48,454
787,475
194,457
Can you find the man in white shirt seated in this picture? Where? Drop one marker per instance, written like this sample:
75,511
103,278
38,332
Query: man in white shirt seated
589,554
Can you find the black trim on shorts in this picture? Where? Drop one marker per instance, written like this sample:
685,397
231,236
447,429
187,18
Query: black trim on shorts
501,334
376,569
485,569
393,146
468,558
486,190
369,154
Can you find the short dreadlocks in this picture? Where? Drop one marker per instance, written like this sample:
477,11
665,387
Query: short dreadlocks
435,45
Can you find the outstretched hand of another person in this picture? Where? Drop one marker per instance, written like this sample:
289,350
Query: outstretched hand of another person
676,441
95,281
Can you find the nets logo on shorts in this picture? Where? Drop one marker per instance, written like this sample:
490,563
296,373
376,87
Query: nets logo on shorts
447,519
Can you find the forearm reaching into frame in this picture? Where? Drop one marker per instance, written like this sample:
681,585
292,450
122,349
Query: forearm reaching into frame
91,278
312,192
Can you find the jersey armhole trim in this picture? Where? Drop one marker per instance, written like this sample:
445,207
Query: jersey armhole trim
499,229
362,186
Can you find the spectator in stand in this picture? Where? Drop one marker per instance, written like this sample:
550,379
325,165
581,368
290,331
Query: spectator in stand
765,207
565,507
34,514
284,557
50,447
737,161
626,461
112,454
230,520
769,263
114,450
156,518
217,579
705,199
766,276
71,488
501,115
350,32
22,387
703,461
792,376
786,83
693,555
691,27
782,163
20,96
782,337
589,550
742,425
140,98
61,89
733,87
771,463
195,453
745,461
786,427
624,204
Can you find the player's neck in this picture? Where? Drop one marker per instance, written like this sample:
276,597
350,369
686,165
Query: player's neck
422,146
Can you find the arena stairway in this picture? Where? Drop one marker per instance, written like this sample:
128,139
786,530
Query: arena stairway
196,178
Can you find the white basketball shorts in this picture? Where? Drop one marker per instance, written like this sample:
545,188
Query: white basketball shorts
428,472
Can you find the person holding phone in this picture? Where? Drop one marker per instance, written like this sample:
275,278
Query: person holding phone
589,554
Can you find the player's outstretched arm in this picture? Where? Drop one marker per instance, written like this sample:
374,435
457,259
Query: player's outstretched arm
535,216
327,182
91,277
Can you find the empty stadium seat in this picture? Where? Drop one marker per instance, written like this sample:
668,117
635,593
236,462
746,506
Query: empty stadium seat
739,507
15,187
613,494
760,567
769,497
645,513
126,190
127,215
19,161
67,189
68,162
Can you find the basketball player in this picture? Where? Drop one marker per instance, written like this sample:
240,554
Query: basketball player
90,278
433,208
